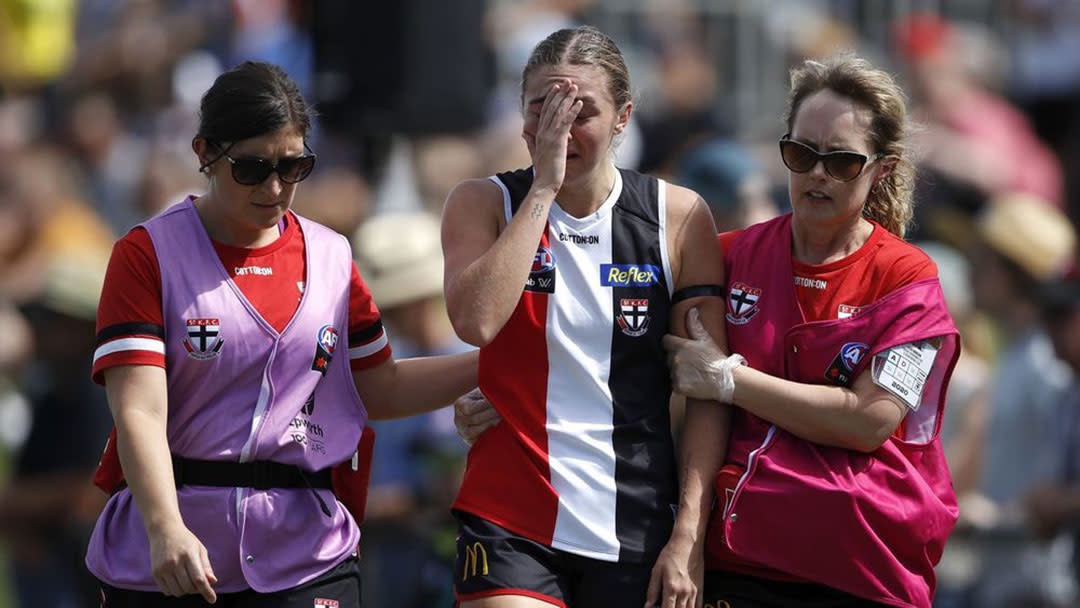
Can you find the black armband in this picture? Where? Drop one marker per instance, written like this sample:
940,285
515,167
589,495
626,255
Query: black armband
698,291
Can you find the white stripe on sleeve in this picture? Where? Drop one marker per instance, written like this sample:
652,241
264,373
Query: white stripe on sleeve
366,350
124,344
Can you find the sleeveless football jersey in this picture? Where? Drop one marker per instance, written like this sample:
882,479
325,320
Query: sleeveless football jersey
583,460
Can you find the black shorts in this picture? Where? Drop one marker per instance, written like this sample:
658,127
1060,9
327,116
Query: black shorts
338,588
730,590
491,561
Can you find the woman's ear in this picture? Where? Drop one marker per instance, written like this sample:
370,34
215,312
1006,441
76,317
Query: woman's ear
887,165
623,117
199,146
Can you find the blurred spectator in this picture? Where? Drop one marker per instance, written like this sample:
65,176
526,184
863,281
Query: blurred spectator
440,163
274,31
729,178
1045,57
964,427
166,177
337,197
129,47
48,507
975,144
1053,508
1046,78
39,217
1022,242
110,158
37,41
686,111
416,468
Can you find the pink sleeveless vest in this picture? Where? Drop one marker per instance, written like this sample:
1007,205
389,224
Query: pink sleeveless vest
872,525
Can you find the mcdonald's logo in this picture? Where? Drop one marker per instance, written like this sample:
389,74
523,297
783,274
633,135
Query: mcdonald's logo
473,554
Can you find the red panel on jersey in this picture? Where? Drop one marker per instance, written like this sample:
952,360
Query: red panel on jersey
518,352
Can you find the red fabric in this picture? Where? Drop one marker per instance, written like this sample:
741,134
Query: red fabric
921,36
108,476
499,456
351,486
468,597
883,264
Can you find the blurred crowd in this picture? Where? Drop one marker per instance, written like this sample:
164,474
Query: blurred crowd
98,102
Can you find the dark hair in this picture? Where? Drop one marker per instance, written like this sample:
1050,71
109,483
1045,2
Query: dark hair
583,45
250,100
890,201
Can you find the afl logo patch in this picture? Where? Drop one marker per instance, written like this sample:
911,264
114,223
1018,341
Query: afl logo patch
541,277
845,362
543,261
852,354
325,346
328,337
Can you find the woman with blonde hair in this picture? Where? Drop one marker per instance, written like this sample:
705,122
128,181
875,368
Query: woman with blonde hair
831,485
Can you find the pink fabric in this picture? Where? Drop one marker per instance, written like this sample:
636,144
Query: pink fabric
991,123
873,525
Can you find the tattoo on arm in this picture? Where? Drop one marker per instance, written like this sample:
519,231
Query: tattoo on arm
537,211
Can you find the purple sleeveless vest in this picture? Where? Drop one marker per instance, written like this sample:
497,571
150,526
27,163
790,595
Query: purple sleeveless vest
873,525
239,391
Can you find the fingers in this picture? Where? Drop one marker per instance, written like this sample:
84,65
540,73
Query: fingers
561,104
168,584
207,578
207,568
474,414
673,342
472,406
197,581
694,327
652,594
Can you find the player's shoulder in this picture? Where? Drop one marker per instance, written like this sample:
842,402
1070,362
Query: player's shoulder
476,191
682,199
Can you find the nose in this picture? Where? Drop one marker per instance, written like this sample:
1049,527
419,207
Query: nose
818,170
273,184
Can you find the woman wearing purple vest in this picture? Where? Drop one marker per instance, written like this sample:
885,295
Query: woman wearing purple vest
242,356
832,489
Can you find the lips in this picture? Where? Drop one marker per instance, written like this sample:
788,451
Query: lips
817,195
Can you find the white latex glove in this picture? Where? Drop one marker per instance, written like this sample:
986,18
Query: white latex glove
699,368
474,414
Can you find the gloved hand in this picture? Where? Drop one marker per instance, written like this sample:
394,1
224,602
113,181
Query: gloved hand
699,368
474,414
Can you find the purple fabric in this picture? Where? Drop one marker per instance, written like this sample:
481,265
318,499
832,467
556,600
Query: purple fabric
258,398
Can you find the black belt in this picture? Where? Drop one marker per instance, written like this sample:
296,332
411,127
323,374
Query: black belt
258,474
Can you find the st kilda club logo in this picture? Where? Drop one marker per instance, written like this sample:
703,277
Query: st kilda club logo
203,339
325,344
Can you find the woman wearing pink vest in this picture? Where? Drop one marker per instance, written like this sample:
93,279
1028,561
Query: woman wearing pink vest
242,355
832,489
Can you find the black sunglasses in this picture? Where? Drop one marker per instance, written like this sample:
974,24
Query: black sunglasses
842,165
254,171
